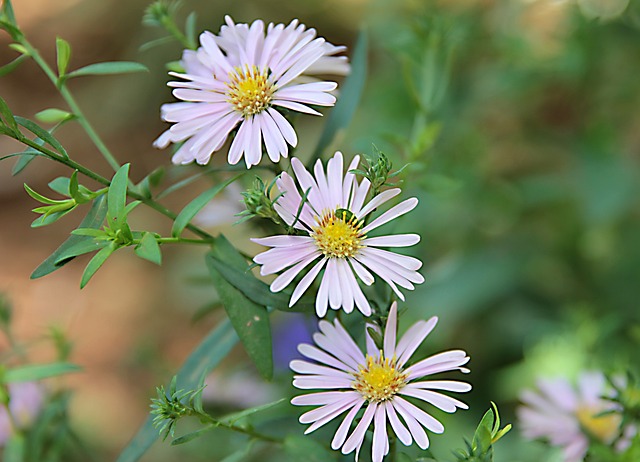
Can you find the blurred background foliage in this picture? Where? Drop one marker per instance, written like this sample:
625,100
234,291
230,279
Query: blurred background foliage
519,122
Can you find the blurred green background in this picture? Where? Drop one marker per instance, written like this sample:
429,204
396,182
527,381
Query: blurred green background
519,122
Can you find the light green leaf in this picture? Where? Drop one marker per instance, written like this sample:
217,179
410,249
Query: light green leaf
149,249
49,218
25,159
81,247
190,29
110,68
232,418
96,262
192,436
33,372
350,93
193,207
117,197
63,50
53,115
43,135
11,66
39,197
59,258
201,361
306,449
60,185
250,320
7,115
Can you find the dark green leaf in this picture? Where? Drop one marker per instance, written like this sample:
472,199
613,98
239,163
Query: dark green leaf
193,207
117,197
7,8
60,257
250,320
7,115
53,115
151,180
232,418
149,249
63,50
192,436
33,372
201,361
49,218
305,449
42,134
113,67
81,247
96,262
350,93
257,291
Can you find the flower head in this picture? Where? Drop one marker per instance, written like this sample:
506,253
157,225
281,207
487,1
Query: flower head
330,210
241,77
567,416
377,381
26,401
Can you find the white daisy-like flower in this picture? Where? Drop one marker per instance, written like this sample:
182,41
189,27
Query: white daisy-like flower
241,78
379,382
332,215
566,416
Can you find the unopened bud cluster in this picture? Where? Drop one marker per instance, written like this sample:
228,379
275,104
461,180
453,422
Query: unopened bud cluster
258,202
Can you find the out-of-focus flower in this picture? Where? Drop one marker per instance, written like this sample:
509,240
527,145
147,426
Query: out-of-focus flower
26,400
287,335
330,209
240,78
377,381
568,416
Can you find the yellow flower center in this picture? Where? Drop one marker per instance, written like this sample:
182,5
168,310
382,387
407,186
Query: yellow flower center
338,234
604,427
250,90
380,379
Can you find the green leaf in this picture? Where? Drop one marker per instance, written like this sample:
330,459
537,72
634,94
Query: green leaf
404,457
192,436
15,449
232,418
241,454
39,197
7,9
110,68
250,320
61,185
305,449
96,262
190,29
53,115
59,258
350,93
201,361
7,115
259,292
33,372
43,135
11,66
117,197
63,50
49,218
83,246
193,207
149,249
153,179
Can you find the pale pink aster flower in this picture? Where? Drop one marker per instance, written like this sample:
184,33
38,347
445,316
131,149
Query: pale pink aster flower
378,382
26,401
566,416
333,218
240,78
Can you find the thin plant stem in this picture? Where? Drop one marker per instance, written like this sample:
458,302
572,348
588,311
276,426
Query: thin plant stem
216,423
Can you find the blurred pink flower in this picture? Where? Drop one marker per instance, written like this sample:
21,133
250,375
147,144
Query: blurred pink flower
566,416
240,78
377,381
27,399
333,217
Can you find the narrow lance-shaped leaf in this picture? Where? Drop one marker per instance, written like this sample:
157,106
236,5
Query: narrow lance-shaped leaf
200,362
110,68
117,197
63,50
193,207
96,262
250,320
53,115
350,93
149,249
42,134
33,372
7,115
62,255
11,66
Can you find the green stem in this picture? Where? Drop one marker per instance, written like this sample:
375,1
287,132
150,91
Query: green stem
73,105
183,240
235,428
167,23
102,180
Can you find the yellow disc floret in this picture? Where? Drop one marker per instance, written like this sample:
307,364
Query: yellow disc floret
250,90
338,234
603,427
380,379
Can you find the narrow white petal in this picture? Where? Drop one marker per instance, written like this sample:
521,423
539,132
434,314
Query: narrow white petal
327,409
448,385
364,275
298,107
343,429
323,397
304,367
372,348
443,402
282,240
428,421
344,271
334,179
284,126
322,298
335,292
400,209
391,331
358,434
412,339
400,430
394,240
380,440
418,433
378,201
305,282
285,278
359,194
316,354
321,382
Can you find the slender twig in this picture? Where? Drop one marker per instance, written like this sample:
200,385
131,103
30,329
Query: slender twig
217,423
